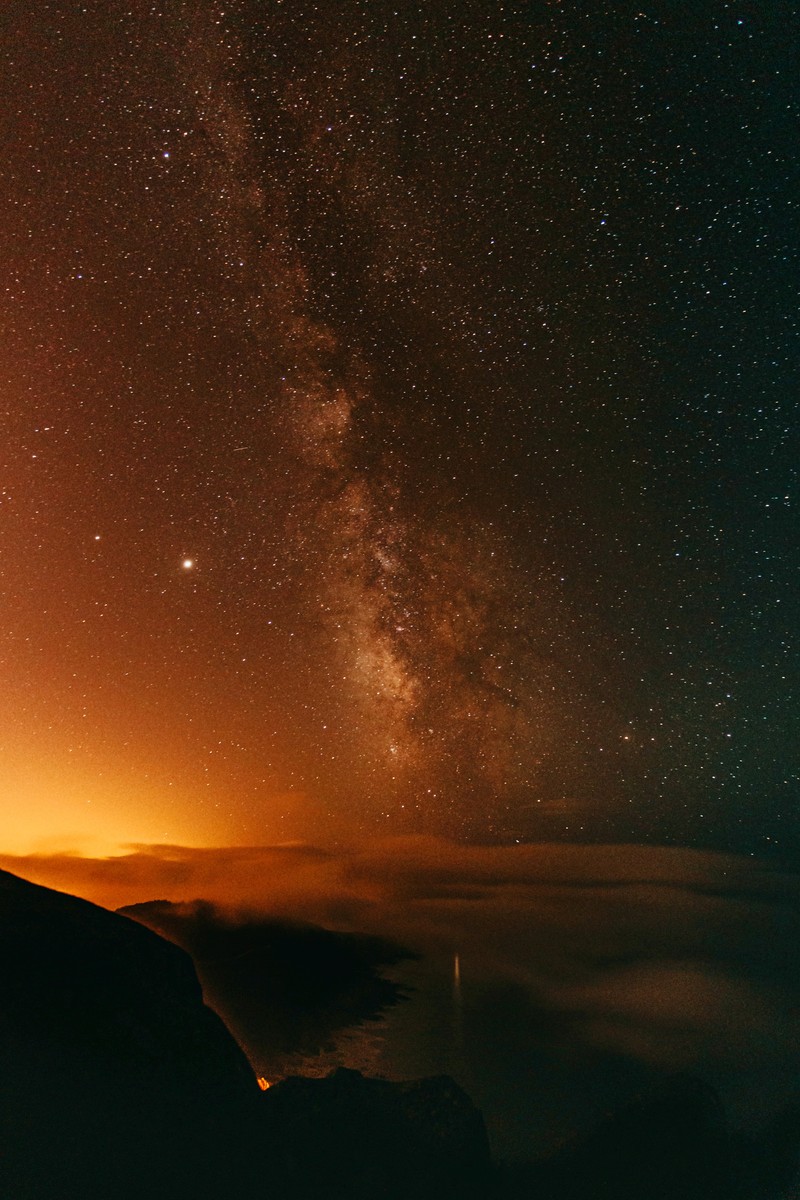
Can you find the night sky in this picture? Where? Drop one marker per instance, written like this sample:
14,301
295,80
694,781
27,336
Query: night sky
399,426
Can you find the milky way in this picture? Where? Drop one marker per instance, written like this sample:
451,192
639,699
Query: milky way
441,704
397,428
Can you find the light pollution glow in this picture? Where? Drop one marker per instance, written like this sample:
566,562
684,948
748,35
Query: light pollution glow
346,481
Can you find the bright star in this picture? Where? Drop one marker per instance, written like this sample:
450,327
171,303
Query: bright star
187,564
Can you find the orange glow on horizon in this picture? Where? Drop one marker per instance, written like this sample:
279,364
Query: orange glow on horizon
55,802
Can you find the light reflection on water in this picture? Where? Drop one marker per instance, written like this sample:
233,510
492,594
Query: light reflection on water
571,996
411,1039
528,1107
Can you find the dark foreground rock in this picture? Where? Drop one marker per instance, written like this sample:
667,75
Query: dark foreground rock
115,1079
118,1083
284,987
350,1137
672,1145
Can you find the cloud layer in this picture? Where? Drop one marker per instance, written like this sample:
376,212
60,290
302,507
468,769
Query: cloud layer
577,963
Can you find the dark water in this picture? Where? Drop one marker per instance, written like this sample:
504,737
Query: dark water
543,1068
534,1088
556,984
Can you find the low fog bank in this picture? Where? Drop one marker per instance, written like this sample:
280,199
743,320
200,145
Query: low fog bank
287,990
584,971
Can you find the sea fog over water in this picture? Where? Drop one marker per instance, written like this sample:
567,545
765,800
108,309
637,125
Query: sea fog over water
584,974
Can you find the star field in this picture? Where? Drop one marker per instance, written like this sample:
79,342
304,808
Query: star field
399,423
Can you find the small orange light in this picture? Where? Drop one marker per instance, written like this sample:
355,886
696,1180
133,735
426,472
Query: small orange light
263,1083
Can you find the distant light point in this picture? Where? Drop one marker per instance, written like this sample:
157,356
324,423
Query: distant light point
187,564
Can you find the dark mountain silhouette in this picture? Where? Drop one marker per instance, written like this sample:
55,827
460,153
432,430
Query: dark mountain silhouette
116,1080
283,987
672,1145
346,1136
